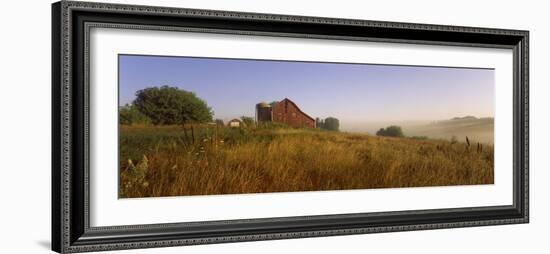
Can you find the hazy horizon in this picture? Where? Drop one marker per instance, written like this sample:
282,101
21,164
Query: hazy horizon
357,94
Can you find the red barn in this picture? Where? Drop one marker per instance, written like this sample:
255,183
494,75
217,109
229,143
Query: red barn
285,111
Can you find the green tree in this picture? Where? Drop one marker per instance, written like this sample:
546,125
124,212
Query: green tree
331,124
319,123
129,114
248,121
219,122
171,105
391,131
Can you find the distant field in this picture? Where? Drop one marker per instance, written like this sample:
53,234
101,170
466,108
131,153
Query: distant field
476,129
202,160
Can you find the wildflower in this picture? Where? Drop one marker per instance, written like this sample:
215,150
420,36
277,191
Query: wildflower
131,165
143,165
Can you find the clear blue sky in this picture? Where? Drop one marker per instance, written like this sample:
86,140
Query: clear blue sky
350,92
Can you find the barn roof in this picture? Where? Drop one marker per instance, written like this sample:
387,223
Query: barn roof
287,99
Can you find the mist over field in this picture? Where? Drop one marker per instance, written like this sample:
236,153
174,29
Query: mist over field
476,129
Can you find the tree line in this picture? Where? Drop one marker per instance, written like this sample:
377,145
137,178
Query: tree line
329,123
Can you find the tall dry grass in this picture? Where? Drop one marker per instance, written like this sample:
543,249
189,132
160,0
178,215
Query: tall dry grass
164,161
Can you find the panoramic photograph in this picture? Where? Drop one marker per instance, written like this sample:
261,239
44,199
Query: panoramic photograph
213,126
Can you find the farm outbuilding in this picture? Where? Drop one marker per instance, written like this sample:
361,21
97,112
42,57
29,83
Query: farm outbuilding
285,111
236,123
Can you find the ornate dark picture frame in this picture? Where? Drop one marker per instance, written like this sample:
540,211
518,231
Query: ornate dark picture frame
71,22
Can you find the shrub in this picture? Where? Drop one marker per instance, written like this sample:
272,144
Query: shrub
391,131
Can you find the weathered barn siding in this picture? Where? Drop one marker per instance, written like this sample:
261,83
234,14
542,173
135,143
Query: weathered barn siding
287,112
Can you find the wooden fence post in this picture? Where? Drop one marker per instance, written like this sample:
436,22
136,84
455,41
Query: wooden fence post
193,133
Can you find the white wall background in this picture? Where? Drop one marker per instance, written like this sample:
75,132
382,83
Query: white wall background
25,125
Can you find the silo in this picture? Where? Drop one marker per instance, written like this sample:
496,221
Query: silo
263,112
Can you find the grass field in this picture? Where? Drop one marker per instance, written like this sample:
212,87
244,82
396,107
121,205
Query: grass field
202,160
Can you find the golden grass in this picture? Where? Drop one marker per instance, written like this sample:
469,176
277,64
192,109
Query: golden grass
163,161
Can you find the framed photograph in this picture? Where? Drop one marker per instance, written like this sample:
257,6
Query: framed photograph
182,126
